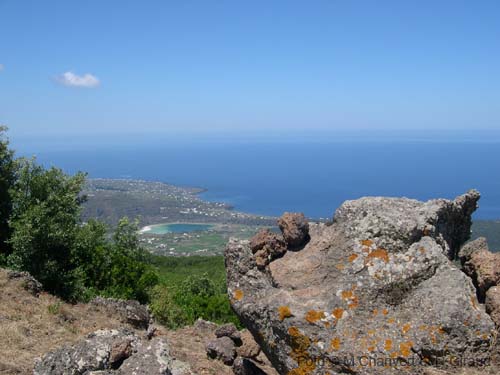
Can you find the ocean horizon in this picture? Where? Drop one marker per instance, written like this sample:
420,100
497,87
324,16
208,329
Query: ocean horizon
310,176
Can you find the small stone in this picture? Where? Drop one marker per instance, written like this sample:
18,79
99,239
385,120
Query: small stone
229,330
222,348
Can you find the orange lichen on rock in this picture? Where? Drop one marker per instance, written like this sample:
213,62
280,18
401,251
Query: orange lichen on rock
375,312
422,250
335,343
312,316
367,243
238,294
354,303
338,312
385,311
405,348
379,254
347,294
406,328
388,345
473,301
300,344
391,320
340,267
352,257
284,312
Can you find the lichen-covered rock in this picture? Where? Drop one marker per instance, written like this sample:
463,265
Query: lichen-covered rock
30,284
131,312
112,352
229,330
295,229
378,283
222,348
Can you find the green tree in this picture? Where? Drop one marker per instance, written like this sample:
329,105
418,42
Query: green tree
44,223
7,178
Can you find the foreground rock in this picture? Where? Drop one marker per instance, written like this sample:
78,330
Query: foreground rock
112,351
481,265
130,312
377,285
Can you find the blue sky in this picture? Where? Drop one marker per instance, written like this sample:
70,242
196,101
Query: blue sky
108,67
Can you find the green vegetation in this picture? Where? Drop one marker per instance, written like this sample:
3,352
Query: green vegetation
190,288
41,232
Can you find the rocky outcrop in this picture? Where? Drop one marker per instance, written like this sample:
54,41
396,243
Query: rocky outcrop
229,330
267,246
130,312
29,283
376,286
112,352
481,265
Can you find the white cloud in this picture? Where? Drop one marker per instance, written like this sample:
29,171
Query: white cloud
72,80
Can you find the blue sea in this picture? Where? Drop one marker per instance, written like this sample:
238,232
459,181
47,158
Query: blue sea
270,176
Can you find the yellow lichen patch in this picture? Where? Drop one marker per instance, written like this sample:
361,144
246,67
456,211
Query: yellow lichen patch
388,345
405,348
375,312
391,320
300,344
284,312
327,324
371,332
238,294
340,267
367,243
385,311
335,343
371,348
422,328
347,294
473,301
406,328
379,254
338,312
352,257
312,316
422,250
441,331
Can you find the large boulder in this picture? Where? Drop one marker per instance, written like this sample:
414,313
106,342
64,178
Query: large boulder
267,246
377,285
29,283
112,352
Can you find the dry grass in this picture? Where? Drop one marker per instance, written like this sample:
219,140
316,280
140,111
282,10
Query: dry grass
31,326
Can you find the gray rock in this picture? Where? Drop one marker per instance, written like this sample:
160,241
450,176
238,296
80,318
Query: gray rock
229,330
295,229
112,352
30,284
222,348
378,282
466,251
101,350
244,366
131,312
